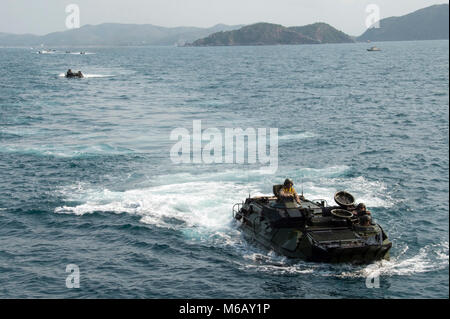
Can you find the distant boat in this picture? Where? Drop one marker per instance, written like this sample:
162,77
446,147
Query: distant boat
46,51
373,49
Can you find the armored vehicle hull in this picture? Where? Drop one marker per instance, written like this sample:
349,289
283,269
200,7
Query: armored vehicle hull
310,231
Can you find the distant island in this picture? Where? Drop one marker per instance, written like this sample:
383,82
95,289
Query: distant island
272,34
429,23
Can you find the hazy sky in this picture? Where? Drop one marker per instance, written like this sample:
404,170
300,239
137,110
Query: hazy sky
44,16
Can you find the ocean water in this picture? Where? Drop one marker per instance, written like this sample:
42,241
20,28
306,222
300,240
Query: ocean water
86,176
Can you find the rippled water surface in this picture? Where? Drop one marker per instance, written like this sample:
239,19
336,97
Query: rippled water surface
86,177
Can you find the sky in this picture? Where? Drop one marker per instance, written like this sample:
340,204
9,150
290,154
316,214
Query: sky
45,16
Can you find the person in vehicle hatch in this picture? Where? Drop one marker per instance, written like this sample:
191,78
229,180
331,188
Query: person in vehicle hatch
361,210
288,191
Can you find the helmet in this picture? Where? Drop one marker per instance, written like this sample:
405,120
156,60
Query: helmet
288,181
361,206
365,219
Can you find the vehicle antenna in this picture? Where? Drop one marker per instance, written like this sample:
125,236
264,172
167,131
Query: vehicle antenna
248,181
302,186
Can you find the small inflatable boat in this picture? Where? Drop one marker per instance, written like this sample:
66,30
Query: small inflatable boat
70,74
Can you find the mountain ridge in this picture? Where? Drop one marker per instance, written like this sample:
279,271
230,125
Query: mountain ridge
429,23
120,34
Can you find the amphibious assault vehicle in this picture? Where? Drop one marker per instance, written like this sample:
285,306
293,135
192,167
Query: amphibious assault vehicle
312,230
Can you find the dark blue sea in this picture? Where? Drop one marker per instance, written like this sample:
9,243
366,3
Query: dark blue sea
86,176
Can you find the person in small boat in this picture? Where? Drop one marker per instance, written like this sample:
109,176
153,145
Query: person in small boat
69,73
288,191
80,75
